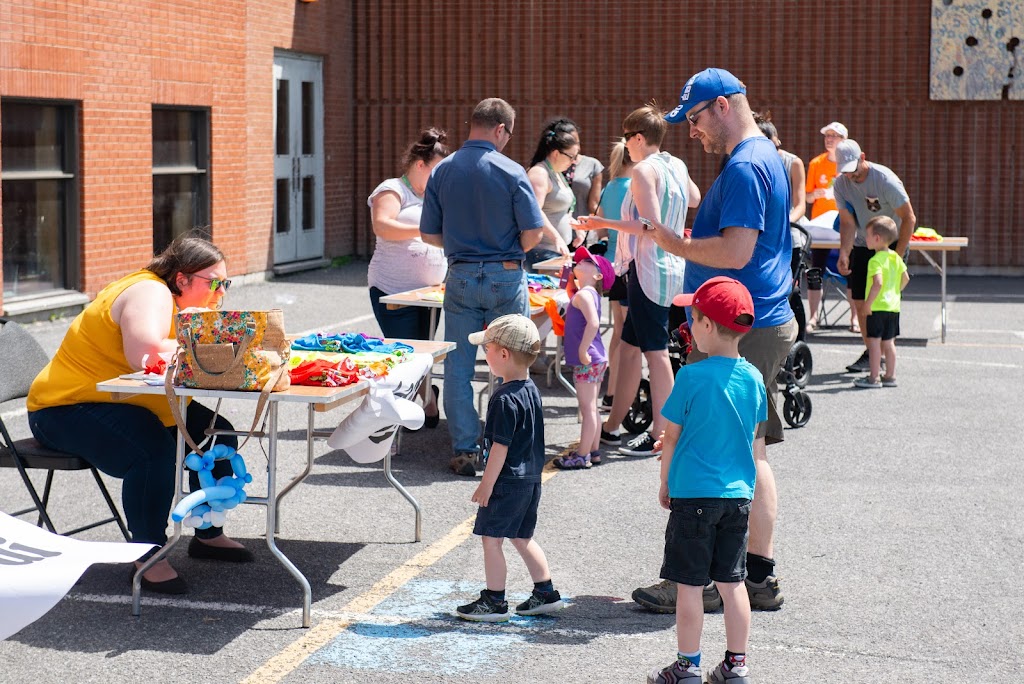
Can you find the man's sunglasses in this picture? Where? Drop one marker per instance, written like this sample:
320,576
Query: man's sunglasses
215,283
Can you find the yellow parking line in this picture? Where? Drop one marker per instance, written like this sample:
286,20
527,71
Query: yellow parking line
321,634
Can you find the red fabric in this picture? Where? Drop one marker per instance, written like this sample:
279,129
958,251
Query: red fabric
320,373
158,368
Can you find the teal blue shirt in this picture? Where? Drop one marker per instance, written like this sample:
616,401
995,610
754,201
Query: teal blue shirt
718,402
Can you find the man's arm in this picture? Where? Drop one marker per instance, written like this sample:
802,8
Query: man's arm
528,239
908,222
847,231
732,248
431,216
432,240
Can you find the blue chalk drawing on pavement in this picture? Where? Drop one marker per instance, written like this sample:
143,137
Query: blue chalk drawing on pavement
414,630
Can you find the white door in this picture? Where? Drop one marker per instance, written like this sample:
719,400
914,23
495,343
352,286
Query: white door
298,158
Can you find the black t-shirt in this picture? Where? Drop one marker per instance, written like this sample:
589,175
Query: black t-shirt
515,418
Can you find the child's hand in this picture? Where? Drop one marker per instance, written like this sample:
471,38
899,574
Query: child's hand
663,497
658,443
482,495
585,357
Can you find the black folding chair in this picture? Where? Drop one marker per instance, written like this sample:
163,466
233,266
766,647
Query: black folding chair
21,359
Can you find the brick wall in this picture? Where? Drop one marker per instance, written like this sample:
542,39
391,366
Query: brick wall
423,62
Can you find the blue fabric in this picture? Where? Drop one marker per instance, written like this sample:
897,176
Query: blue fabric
718,402
352,343
479,201
515,418
611,207
130,443
475,294
751,192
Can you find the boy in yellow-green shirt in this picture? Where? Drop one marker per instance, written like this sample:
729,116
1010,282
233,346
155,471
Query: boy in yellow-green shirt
887,276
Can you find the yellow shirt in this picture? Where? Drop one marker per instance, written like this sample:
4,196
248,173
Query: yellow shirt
92,351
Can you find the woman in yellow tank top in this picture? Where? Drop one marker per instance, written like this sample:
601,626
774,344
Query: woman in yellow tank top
128,325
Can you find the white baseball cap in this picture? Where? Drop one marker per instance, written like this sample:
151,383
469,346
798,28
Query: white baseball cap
837,127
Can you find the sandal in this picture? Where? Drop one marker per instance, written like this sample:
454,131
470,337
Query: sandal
573,461
854,328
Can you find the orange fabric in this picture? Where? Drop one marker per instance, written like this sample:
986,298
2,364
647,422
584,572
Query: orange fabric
557,322
821,173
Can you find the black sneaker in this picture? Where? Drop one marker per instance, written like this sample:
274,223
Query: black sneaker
606,404
641,445
484,609
610,438
541,603
861,365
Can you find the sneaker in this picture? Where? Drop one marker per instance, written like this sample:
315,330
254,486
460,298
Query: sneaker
737,675
464,463
765,595
681,671
861,365
610,438
484,609
641,445
595,457
606,404
866,383
541,603
661,597
888,382
573,461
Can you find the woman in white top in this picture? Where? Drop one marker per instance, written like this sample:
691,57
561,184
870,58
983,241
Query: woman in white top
401,260
556,152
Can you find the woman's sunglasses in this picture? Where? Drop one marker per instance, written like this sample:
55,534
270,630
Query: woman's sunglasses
215,283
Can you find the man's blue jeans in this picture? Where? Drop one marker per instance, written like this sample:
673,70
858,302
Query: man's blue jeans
475,294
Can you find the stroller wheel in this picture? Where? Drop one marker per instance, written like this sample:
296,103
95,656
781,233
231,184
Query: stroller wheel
797,408
800,363
640,415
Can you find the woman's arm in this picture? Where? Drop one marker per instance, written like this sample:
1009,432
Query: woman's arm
594,198
796,182
143,312
541,185
383,216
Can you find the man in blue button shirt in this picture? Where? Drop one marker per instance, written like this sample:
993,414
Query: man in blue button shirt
480,208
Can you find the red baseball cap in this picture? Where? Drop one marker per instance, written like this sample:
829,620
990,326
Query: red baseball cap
723,300
603,265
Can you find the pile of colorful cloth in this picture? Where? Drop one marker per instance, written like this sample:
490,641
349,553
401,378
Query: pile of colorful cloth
337,360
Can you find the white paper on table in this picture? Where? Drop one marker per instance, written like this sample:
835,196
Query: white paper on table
38,568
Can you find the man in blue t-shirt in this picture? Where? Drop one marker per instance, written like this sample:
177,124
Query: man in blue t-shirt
742,231
479,206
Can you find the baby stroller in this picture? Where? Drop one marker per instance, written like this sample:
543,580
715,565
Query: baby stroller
793,375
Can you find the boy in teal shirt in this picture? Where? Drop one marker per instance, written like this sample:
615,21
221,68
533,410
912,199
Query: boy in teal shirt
887,276
707,479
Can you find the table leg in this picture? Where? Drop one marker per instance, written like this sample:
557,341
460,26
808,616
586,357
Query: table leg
301,476
404,492
558,367
307,594
943,278
179,485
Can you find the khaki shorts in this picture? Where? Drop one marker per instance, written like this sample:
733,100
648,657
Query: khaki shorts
765,349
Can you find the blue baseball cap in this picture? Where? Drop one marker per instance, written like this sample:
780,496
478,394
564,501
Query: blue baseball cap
706,85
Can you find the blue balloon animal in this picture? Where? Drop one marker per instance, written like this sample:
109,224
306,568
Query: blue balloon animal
207,507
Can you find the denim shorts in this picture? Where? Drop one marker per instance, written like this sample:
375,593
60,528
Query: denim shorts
884,325
706,538
511,512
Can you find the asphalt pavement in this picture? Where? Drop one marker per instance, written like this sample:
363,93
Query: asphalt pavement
900,539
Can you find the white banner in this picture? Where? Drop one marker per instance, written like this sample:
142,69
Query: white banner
38,568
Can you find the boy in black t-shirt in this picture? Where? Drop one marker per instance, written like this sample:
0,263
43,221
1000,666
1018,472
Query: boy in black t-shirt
510,491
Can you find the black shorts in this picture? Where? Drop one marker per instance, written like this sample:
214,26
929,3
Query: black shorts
617,292
857,281
511,512
706,538
646,324
883,325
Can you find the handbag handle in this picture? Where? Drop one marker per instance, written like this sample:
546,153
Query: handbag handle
243,346
179,421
